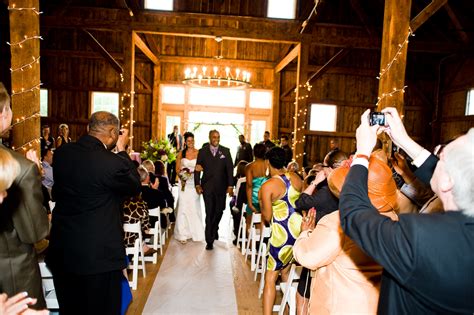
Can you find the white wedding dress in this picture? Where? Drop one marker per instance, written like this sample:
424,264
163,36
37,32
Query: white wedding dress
189,223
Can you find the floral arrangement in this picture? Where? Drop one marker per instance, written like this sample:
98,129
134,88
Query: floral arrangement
158,150
184,175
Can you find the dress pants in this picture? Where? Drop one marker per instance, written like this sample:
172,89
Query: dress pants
215,205
171,170
88,294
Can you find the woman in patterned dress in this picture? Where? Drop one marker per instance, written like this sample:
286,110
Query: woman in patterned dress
278,196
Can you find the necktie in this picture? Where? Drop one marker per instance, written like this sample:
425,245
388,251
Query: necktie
213,151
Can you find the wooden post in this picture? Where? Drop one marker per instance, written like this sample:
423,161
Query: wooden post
276,104
127,66
25,75
132,92
394,54
156,110
300,104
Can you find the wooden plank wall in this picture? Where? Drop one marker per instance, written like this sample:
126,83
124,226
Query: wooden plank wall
457,79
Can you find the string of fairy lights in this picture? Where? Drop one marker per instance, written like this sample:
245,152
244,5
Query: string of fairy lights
383,71
26,39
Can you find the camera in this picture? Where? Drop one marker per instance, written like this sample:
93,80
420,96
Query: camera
377,118
120,132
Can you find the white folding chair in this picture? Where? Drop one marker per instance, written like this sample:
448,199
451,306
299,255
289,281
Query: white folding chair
254,237
262,252
263,271
289,289
135,252
242,234
136,228
157,240
49,291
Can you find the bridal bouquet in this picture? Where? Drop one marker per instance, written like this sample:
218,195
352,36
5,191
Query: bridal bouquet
155,150
184,174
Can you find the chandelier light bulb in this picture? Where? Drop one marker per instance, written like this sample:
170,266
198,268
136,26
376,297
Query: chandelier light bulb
237,73
204,69
227,72
215,70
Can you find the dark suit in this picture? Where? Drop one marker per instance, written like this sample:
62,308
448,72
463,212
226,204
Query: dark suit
155,198
288,154
427,259
244,153
215,181
177,143
268,144
87,253
23,222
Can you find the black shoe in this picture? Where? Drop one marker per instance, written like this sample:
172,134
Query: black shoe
209,246
234,242
216,237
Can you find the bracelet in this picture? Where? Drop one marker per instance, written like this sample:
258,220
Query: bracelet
361,156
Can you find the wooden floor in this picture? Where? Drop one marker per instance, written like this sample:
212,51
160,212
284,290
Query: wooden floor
246,288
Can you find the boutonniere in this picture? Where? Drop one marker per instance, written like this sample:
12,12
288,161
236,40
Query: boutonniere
220,153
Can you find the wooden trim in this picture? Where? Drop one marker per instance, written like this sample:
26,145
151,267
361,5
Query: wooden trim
457,119
276,102
143,81
333,61
144,48
65,87
288,58
212,61
156,105
426,13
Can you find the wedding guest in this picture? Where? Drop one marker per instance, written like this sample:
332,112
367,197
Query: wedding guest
63,137
240,196
153,197
47,140
46,162
164,185
284,143
278,210
177,142
150,167
343,272
86,251
18,304
294,167
255,173
244,151
266,141
427,259
23,222
9,170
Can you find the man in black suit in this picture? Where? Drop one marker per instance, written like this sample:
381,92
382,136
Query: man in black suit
176,141
86,252
266,140
284,143
244,151
217,180
428,259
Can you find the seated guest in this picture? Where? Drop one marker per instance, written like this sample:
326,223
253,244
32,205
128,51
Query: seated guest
240,196
255,177
278,210
164,184
150,167
294,167
427,259
46,163
346,279
152,196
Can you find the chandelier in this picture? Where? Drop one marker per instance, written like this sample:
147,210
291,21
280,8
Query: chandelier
217,77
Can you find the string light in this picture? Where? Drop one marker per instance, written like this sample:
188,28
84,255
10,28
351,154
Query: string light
395,57
394,91
28,144
26,38
26,65
36,87
14,8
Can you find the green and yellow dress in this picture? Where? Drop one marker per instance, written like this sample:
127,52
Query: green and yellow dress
285,226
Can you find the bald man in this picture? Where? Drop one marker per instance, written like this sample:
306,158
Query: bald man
87,253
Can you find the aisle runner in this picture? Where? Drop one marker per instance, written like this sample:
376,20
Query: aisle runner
193,280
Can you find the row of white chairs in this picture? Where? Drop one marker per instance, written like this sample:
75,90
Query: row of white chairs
258,260
157,242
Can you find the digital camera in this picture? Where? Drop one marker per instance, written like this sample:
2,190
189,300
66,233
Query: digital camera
377,118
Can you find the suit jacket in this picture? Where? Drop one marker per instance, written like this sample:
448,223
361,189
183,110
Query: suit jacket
23,222
428,259
174,142
217,170
244,153
153,197
288,154
90,186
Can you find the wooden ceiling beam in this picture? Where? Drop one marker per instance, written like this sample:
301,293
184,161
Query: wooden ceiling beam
426,13
143,81
364,18
217,62
144,48
151,41
288,58
95,45
331,62
457,25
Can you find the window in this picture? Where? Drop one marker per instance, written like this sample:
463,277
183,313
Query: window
172,121
44,103
217,97
105,101
470,102
257,129
172,94
261,99
164,5
323,117
281,9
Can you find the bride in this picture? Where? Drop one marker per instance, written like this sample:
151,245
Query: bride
189,218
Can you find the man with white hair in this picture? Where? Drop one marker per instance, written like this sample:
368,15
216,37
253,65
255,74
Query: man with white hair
428,260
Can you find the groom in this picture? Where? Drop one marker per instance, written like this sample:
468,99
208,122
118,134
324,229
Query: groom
216,164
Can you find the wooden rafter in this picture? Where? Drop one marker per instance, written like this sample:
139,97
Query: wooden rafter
94,43
288,58
213,61
143,81
331,62
151,41
426,13
364,18
457,25
144,48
